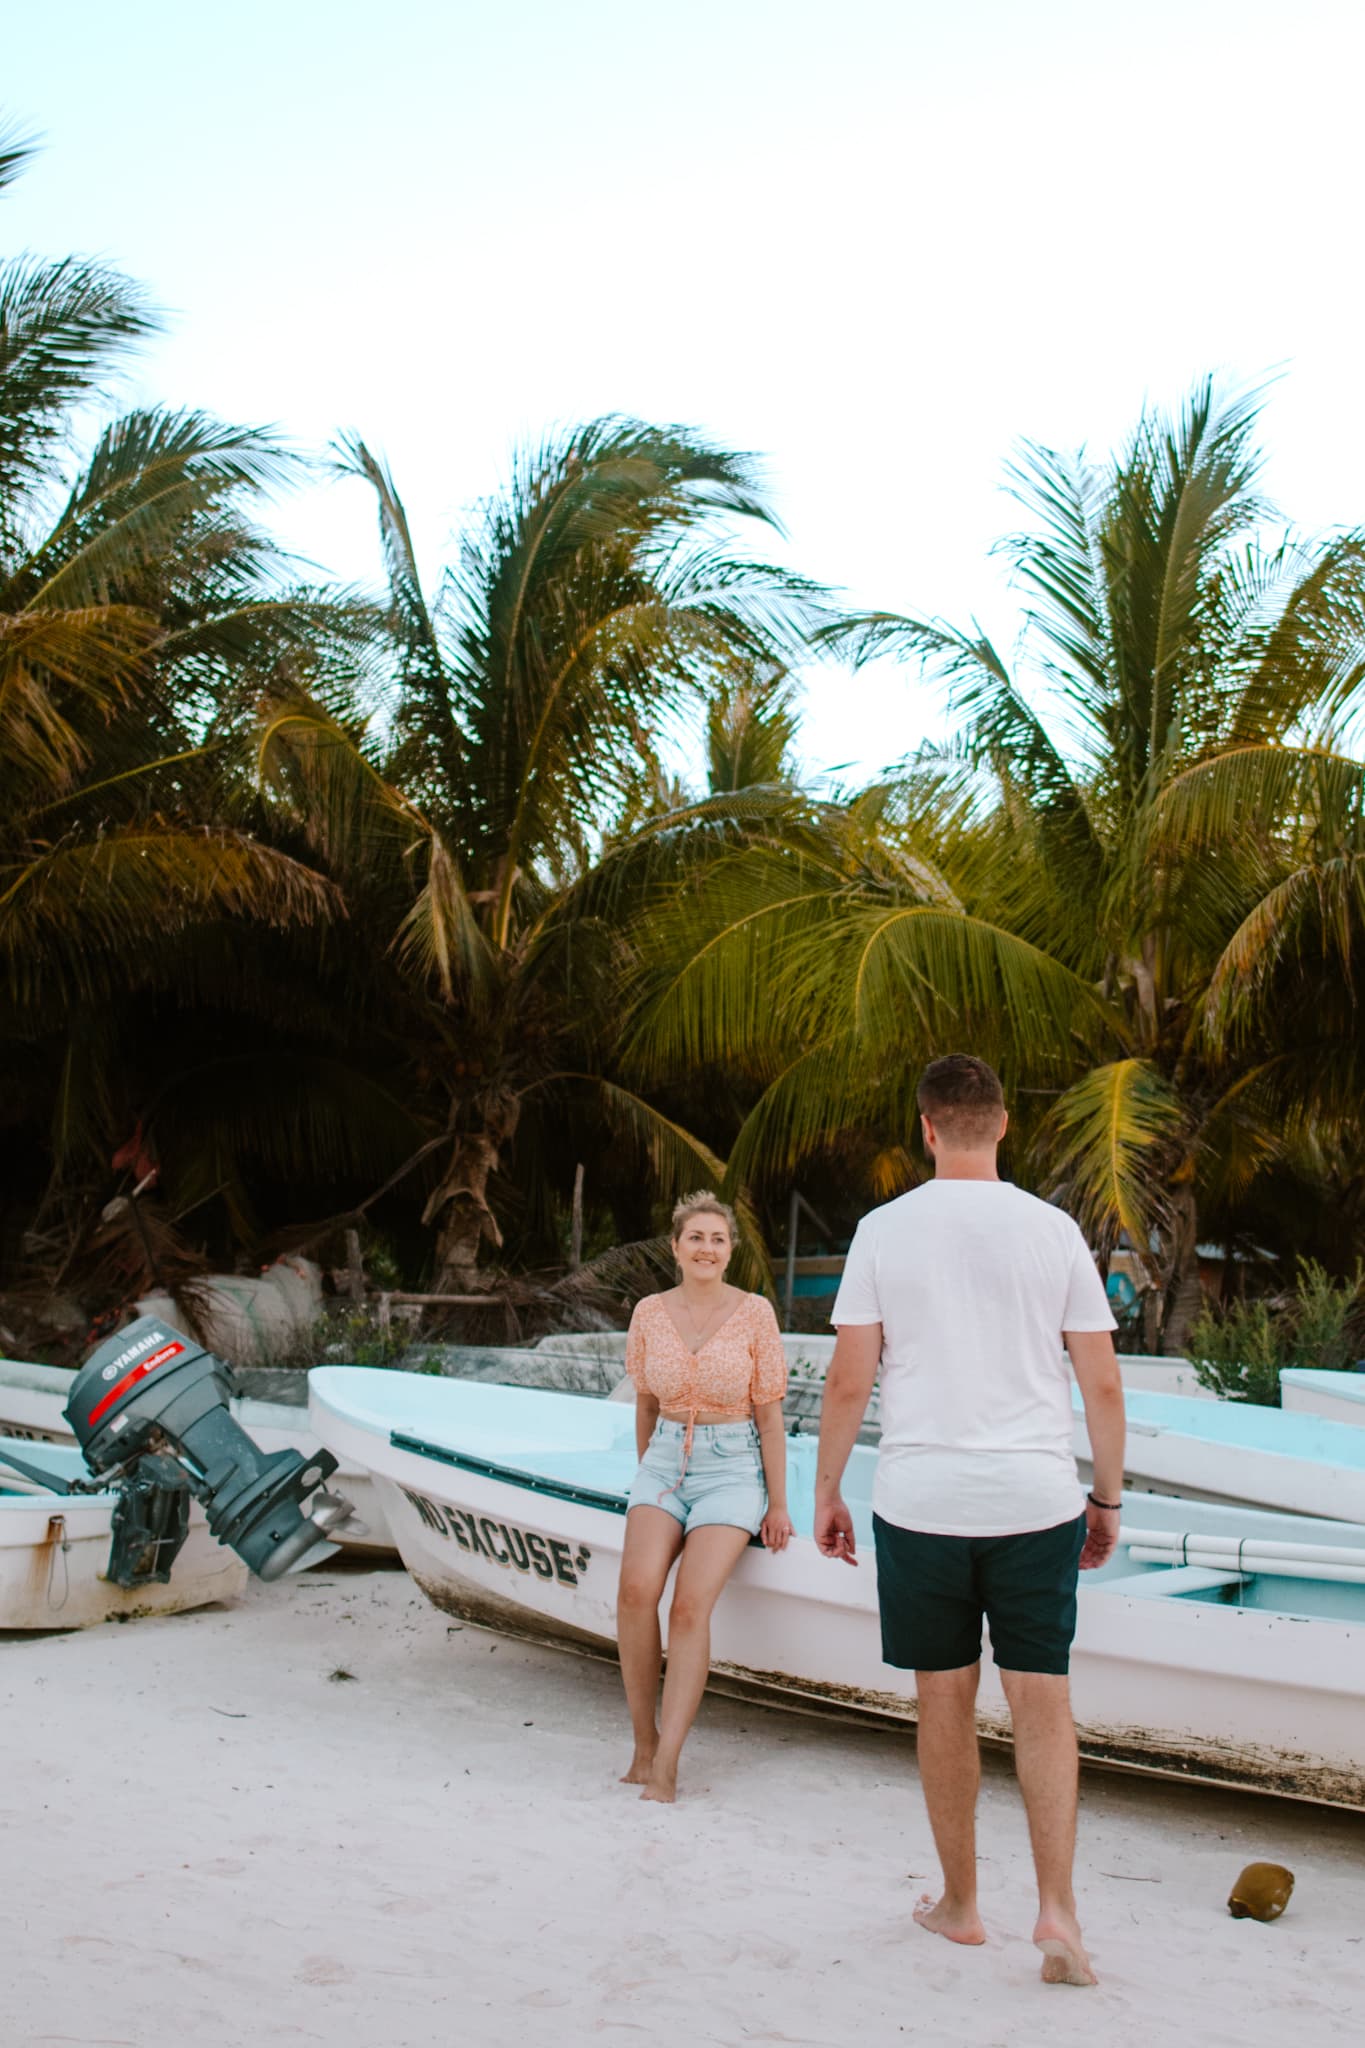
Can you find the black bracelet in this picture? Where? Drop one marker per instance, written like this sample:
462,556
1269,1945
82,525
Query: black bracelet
1110,1507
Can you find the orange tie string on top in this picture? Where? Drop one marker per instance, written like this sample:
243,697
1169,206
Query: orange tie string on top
692,1415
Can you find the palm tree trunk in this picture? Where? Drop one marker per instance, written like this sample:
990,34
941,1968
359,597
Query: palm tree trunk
460,1208
1181,1295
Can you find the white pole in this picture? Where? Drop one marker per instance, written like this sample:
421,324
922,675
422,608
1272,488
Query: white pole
1251,1567
1237,1548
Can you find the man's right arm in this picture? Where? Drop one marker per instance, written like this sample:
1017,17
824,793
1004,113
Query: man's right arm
848,1389
1101,1384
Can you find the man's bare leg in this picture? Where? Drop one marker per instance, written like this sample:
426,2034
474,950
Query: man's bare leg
1047,1766
950,1772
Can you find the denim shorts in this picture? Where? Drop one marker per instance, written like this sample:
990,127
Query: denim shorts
723,1483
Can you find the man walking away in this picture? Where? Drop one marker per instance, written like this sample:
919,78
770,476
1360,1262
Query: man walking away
963,1292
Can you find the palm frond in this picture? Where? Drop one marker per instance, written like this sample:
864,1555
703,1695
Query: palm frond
321,768
1207,469
441,938
79,914
16,151
919,968
1297,633
428,736
751,722
46,659
66,330
1255,790
1318,912
823,1096
1060,566
675,1160
1000,727
1106,1150
152,477
591,599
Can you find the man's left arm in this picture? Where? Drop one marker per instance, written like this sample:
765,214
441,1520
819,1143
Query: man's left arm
848,1389
1101,1384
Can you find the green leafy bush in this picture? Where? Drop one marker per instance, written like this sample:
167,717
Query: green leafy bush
1238,1352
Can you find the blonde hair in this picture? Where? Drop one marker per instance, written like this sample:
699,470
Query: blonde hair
702,1203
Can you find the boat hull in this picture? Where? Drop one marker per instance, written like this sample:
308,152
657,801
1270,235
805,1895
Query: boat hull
1337,1396
1209,1693
54,1552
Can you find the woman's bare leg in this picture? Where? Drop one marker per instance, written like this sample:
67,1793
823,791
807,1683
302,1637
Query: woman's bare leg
709,1556
653,1540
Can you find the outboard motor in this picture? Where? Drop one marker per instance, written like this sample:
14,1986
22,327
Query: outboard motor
152,1393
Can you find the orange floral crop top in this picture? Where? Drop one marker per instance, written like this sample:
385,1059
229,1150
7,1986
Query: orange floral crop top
740,1364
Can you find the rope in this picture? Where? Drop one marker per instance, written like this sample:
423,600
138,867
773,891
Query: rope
56,1527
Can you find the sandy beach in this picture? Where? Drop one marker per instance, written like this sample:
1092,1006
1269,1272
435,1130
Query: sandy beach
212,1837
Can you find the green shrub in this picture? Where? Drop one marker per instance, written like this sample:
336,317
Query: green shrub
1239,1352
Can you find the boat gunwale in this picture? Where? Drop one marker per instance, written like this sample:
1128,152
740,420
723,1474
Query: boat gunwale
531,1482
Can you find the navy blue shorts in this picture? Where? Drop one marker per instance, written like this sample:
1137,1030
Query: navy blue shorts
935,1590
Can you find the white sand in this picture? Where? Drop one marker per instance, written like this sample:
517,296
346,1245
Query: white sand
207,1842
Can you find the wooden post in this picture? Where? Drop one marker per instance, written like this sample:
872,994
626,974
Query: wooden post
576,1221
450,1300
355,1270
385,1314
793,1213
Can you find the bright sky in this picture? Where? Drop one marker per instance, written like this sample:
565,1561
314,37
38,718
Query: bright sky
877,240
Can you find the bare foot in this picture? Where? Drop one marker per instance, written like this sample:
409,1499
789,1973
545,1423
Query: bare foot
641,1765
1065,1961
954,1923
661,1785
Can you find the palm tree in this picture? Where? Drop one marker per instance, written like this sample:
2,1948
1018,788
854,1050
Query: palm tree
1170,832
1132,886
818,962
133,588
466,815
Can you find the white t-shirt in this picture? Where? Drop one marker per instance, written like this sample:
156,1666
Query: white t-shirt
973,1283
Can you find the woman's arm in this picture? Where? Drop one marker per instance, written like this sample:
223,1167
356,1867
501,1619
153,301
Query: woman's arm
772,1444
646,1404
646,1415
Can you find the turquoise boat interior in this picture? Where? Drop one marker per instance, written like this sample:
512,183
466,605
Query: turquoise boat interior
582,1448
63,1461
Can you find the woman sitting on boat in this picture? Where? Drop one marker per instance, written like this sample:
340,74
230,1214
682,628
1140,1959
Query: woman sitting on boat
710,1374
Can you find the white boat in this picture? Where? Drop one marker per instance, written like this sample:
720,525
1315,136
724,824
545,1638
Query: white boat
1339,1396
809,1355
808,1362
1234,1451
32,1398
1144,1375
54,1549
804,1353
508,1507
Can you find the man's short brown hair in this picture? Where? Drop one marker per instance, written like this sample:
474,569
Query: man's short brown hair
963,1096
